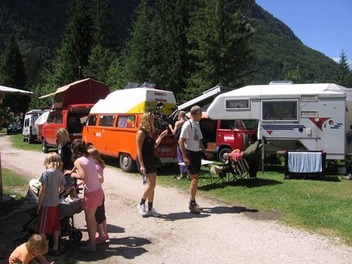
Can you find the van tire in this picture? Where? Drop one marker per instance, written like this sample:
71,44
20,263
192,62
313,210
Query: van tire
221,154
127,164
45,147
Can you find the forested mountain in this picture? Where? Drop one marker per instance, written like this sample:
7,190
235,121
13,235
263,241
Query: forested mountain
279,53
39,27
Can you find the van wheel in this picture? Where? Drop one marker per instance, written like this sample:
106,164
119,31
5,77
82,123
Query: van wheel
45,147
221,154
127,164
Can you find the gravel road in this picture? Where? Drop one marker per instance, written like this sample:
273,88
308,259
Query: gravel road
224,233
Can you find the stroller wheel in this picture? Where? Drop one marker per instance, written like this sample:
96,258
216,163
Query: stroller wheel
75,235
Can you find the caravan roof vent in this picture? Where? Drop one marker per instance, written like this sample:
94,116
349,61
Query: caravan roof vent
281,82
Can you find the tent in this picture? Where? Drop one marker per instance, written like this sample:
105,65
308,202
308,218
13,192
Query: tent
86,91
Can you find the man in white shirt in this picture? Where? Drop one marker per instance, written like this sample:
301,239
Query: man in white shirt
191,144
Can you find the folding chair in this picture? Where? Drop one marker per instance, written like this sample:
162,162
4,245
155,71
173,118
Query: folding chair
231,171
240,169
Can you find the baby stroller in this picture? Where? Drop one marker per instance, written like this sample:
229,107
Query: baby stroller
67,209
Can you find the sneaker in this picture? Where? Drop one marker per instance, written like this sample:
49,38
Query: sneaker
141,209
193,208
153,212
88,248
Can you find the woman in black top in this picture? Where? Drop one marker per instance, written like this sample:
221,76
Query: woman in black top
64,150
146,145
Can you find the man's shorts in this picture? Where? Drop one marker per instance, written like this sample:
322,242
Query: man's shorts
195,159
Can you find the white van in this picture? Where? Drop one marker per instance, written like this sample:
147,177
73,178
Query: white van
29,131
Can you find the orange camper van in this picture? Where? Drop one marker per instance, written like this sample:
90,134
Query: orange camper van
112,124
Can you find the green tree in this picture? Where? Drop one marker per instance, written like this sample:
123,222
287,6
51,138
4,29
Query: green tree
295,75
344,71
104,42
12,74
72,55
219,39
169,44
137,58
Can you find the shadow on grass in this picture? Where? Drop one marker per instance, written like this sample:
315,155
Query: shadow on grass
327,178
249,183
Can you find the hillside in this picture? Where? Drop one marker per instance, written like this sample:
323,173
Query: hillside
278,49
38,25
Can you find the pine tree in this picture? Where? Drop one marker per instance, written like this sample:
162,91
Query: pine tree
136,58
219,38
169,44
72,55
344,71
104,43
12,74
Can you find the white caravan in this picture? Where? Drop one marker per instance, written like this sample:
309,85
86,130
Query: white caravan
29,131
313,117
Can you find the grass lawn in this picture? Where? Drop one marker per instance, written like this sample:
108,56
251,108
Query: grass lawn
15,187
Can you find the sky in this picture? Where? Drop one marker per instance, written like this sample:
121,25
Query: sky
323,25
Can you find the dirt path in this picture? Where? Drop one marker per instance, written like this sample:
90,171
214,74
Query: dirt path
222,234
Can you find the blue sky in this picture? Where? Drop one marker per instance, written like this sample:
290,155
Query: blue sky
323,25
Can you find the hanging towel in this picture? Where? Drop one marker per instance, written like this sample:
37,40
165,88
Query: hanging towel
305,162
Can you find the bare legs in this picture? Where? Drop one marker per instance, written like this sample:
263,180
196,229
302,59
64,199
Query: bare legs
194,186
149,190
91,225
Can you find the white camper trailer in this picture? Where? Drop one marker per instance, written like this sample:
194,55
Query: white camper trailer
311,117
29,131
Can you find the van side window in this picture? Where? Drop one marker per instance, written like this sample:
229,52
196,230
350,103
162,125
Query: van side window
51,117
227,124
92,120
106,120
58,118
126,121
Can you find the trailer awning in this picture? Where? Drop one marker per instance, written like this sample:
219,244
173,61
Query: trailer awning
9,90
205,99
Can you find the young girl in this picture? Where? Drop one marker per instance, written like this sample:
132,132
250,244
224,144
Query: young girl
146,145
52,184
35,247
100,213
93,194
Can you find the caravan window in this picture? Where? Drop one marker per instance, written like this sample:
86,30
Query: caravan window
126,121
236,104
280,110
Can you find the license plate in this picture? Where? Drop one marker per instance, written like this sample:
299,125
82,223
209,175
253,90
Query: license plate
164,150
